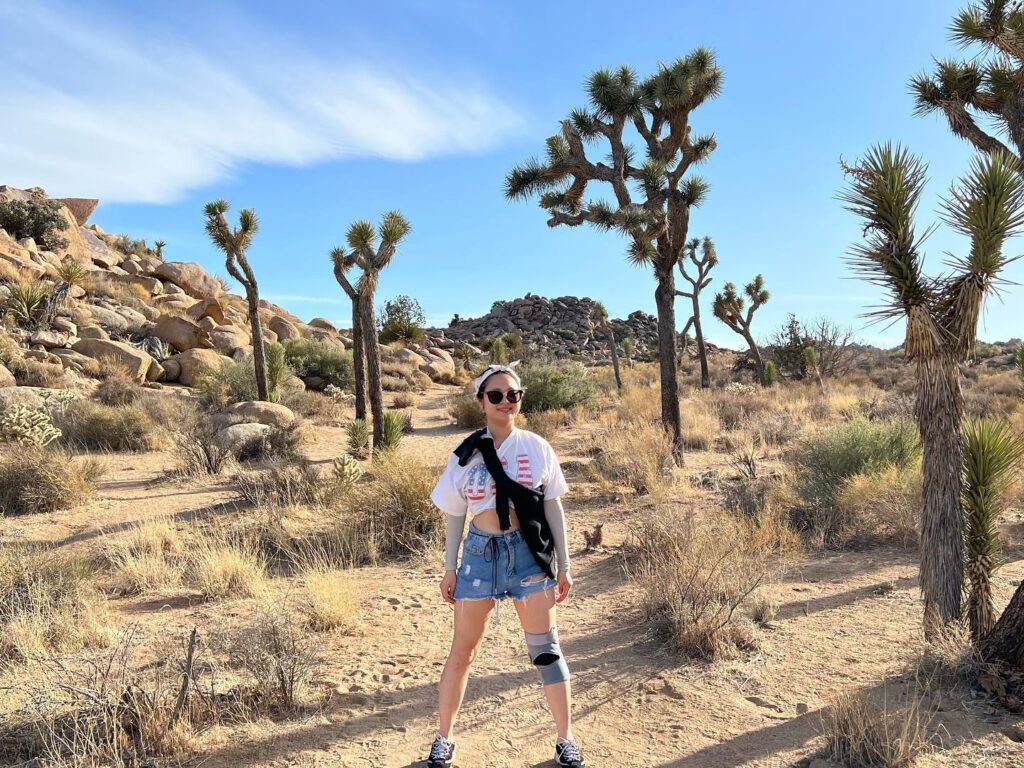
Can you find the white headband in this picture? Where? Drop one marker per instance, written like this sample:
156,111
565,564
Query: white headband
492,369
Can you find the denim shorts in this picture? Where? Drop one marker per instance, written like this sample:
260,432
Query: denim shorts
498,565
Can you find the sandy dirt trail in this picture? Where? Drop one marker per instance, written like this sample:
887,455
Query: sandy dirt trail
847,621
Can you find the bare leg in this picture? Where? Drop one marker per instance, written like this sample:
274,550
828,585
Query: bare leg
470,623
537,614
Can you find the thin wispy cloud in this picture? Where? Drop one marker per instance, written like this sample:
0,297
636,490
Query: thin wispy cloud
104,107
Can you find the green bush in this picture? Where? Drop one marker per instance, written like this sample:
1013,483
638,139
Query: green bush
466,412
402,319
312,357
40,220
771,374
549,386
826,459
235,382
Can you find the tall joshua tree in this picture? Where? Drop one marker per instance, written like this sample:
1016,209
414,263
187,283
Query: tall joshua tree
234,243
371,250
342,263
698,282
989,86
653,198
599,314
941,316
728,307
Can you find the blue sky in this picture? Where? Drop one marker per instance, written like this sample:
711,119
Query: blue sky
317,114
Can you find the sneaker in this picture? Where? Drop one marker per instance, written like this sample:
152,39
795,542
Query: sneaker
442,753
567,753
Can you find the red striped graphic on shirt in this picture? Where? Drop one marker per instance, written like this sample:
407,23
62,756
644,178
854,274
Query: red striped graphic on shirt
477,478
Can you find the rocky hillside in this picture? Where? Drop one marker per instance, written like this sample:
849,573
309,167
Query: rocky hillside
163,320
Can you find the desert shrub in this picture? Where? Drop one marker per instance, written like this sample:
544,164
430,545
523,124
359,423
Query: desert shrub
330,362
699,425
763,609
48,603
87,425
497,350
358,438
777,427
422,381
391,515
283,484
547,424
401,319
222,567
118,386
877,507
862,735
771,374
391,383
39,219
329,601
27,426
549,386
638,403
695,577
35,373
316,407
197,452
27,303
393,429
393,366
347,472
825,459
405,400
466,412
147,558
274,654
234,382
637,455
277,369
275,443
738,404
36,480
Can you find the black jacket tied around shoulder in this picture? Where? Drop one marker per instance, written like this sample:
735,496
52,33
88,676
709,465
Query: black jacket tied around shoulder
528,502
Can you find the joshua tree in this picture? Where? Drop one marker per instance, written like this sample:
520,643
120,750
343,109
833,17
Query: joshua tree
159,245
235,243
942,321
599,314
812,365
698,282
653,198
728,307
371,250
341,265
627,350
990,85
992,455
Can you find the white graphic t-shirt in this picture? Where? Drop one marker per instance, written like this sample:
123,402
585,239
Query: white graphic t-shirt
526,457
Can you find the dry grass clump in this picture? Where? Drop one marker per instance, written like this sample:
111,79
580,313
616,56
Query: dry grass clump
695,576
394,384
329,600
35,480
880,507
466,412
738,404
36,373
97,427
700,423
638,455
284,484
117,385
223,567
48,603
860,734
405,400
547,424
317,408
641,404
391,515
147,558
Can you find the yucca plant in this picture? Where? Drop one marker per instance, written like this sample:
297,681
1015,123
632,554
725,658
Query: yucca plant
277,369
358,438
992,454
28,301
648,198
235,243
599,314
371,249
158,249
941,315
1019,362
390,436
71,272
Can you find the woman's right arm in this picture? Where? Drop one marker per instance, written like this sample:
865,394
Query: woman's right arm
452,540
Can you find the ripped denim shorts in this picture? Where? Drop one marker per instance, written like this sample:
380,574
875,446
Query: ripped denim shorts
498,565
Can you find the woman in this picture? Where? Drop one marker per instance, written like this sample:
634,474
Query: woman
499,563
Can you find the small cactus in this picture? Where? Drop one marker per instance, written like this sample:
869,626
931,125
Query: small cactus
27,426
346,472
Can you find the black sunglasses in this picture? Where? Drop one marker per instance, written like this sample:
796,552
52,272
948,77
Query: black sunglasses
495,396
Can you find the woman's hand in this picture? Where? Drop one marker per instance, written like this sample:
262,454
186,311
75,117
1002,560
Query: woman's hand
448,587
564,585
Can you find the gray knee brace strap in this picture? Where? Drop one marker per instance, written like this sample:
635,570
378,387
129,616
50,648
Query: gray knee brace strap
546,655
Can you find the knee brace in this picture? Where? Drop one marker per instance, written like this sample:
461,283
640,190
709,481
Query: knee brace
546,655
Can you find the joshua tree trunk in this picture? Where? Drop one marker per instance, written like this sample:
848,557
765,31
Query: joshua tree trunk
615,354
375,391
259,355
665,298
758,360
1005,643
705,375
940,414
358,360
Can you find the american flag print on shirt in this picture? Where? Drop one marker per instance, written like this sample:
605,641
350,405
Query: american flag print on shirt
478,478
